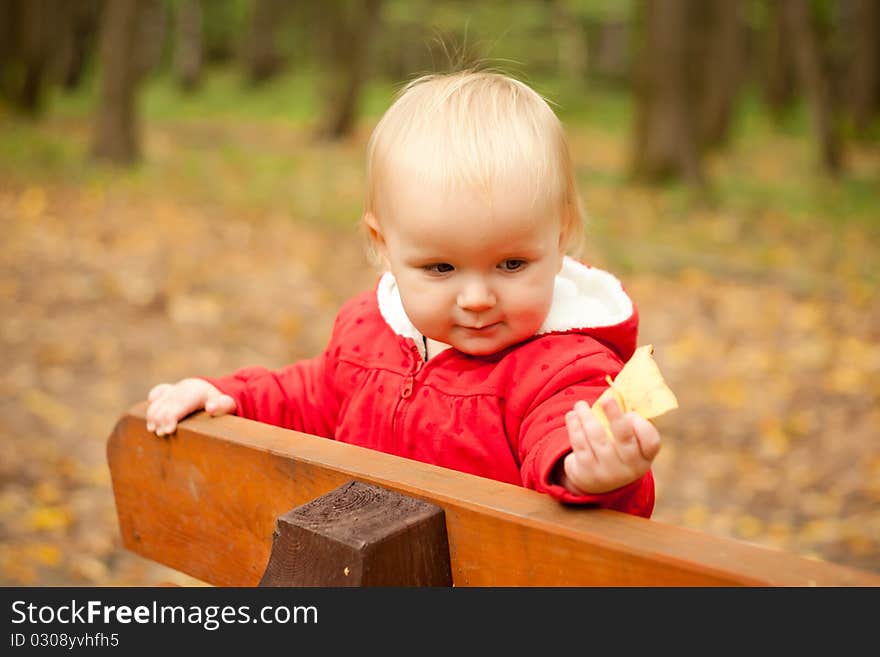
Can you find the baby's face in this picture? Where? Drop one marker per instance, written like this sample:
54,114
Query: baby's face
474,273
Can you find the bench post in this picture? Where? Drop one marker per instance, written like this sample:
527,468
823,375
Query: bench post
360,535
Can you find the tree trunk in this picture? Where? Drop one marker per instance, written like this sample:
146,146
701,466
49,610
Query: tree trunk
406,50
9,10
188,48
116,126
262,60
29,37
612,55
34,25
779,74
863,88
723,63
152,25
77,41
571,44
815,81
346,32
666,134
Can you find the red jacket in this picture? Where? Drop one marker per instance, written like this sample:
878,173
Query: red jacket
500,416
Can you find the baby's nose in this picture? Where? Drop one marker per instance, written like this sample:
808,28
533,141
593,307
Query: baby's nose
476,296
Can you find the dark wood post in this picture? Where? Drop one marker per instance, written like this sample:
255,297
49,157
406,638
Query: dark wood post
360,535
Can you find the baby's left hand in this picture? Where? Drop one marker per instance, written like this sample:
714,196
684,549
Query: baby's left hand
597,464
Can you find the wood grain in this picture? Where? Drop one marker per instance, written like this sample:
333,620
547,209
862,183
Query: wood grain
205,502
360,535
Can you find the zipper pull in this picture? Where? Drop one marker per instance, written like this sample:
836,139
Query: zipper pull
407,389
416,365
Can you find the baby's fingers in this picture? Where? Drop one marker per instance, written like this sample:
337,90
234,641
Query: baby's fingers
619,422
162,417
156,406
157,390
647,437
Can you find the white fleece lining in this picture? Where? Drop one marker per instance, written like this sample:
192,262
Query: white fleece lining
583,297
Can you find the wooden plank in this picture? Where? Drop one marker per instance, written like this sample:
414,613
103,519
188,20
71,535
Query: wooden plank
205,502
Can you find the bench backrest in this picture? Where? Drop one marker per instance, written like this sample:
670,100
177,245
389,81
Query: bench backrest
205,502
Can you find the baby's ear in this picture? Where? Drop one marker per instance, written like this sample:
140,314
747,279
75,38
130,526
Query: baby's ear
570,241
375,239
374,232
564,243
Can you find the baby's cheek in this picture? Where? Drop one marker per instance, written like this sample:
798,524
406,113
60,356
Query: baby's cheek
425,311
532,318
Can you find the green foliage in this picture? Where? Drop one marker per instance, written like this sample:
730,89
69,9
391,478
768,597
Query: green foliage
201,144
602,10
223,23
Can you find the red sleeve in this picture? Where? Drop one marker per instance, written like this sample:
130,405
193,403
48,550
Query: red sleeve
543,438
299,396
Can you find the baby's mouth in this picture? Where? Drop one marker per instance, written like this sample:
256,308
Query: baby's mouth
481,327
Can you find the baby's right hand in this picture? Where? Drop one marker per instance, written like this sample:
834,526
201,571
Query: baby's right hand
171,402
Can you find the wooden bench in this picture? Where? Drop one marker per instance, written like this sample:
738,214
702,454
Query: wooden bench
209,501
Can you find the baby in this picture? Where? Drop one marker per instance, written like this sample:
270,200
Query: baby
483,343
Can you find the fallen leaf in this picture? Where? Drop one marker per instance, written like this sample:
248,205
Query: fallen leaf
32,203
54,412
49,518
638,387
46,554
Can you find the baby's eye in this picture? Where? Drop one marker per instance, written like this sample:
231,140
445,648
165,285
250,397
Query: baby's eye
439,268
512,264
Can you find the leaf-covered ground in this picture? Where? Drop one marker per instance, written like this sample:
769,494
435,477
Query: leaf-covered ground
764,315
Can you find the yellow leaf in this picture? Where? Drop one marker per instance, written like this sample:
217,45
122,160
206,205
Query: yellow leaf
748,526
820,530
729,392
774,439
845,379
778,534
57,414
46,554
32,203
196,310
48,518
861,545
46,492
15,567
696,516
638,387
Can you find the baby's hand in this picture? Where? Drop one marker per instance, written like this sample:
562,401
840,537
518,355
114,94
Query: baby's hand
597,464
171,402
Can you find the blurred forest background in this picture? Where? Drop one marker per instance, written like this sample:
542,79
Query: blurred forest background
181,180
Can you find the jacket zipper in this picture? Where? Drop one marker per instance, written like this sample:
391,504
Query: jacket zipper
416,363
406,389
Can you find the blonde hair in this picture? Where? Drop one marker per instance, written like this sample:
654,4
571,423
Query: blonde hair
473,128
